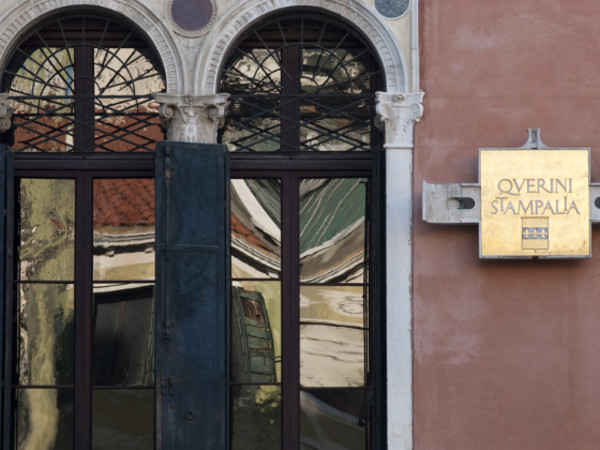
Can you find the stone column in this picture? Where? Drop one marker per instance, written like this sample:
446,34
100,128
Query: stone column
396,116
190,118
6,113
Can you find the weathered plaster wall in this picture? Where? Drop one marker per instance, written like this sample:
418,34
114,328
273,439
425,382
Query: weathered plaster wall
506,354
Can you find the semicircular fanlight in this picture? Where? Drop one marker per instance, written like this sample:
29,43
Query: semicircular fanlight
84,83
300,83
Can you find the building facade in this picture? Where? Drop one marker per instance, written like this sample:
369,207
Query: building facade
214,232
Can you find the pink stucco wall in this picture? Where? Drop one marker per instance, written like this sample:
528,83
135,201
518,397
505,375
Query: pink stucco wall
506,353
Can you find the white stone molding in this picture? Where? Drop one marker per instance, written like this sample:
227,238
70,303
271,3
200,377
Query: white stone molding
237,20
397,115
30,12
190,118
5,113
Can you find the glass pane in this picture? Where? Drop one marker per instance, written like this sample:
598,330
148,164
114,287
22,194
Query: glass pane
256,331
342,120
335,71
46,229
255,228
45,327
44,419
333,419
256,418
332,336
123,335
124,222
123,419
253,124
332,230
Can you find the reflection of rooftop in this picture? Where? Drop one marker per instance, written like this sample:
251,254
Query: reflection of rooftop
124,233
123,202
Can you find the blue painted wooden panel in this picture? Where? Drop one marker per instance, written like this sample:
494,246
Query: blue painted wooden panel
6,251
192,289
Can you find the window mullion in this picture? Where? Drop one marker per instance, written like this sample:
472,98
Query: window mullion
83,311
84,98
290,103
291,305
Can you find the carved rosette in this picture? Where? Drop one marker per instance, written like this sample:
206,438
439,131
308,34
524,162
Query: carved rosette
190,118
6,113
397,115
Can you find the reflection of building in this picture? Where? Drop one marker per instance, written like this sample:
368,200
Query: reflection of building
252,352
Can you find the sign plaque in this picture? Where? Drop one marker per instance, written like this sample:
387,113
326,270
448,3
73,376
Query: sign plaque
534,203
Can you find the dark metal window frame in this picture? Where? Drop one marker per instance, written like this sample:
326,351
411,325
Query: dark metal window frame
290,169
84,169
293,162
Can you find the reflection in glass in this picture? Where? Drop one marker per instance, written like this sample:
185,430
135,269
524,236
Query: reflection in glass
333,418
43,84
44,331
332,230
255,228
342,122
44,419
332,336
256,331
123,419
256,418
46,229
124,231
123,335
333,71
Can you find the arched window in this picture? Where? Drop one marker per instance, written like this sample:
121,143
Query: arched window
81,346
81,83
306,334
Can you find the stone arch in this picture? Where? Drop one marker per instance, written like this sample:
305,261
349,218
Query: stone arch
30,12
227,29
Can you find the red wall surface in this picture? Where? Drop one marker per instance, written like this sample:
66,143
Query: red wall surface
506,353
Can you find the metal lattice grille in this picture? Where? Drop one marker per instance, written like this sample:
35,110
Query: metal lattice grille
84,84
300,84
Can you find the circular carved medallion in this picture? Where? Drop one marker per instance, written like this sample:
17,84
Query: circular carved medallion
190,17
391,8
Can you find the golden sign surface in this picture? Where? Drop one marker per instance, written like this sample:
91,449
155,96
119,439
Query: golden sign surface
534,203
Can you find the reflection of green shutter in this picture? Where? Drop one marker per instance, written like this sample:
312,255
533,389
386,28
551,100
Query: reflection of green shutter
252,352
6,226
191,295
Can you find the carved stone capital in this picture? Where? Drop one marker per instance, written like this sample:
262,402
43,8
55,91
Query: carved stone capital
397,115
190,118
6,113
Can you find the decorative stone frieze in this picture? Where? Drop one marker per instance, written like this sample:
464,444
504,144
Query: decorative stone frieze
397,115
190,118
6,113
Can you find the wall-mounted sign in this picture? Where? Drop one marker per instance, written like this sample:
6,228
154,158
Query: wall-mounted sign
534,203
